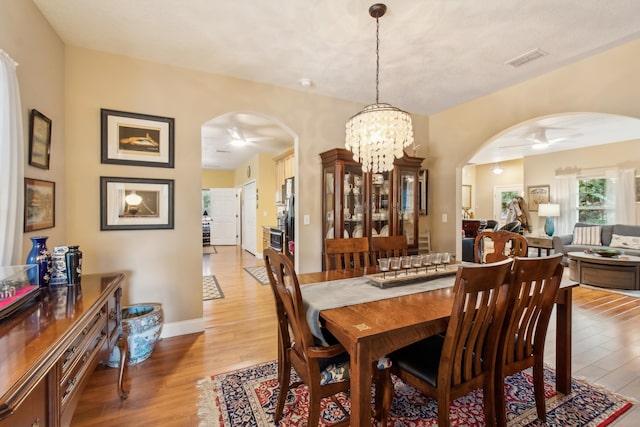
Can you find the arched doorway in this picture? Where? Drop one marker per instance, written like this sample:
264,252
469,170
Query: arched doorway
237,149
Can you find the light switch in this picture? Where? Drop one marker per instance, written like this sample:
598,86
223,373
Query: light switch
306,219
444,217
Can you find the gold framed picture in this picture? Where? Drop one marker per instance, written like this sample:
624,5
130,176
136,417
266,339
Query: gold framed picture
537,194
39,204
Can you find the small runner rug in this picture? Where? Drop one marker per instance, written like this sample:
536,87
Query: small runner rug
209,250
259,273
247,397
211,288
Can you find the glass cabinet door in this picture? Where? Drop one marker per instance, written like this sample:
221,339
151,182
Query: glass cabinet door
380,204
353,203
328,205
406,205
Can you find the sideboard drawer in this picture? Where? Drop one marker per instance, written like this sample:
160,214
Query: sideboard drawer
75,349
33,411
81,357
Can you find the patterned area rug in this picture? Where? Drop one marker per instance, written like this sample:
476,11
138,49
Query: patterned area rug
211,288
247,397
259,273
209,250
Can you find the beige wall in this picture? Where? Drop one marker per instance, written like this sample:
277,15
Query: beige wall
164,265
605,83
217,178
27,37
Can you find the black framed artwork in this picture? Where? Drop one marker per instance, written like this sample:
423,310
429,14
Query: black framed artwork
39,140
136,139
136,203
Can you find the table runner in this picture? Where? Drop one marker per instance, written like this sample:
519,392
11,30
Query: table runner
357,290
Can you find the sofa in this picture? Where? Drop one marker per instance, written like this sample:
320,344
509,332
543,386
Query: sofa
589,236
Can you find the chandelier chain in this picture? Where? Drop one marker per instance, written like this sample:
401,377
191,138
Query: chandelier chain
377,60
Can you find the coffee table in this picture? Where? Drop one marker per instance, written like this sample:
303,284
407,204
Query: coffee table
620,272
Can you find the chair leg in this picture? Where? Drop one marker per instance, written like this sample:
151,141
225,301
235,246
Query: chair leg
489,397
500,403
538,389
314,407
443,412
284,375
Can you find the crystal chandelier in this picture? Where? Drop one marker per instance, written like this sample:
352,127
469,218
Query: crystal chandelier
378,134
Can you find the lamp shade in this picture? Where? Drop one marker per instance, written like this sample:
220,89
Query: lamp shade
548,209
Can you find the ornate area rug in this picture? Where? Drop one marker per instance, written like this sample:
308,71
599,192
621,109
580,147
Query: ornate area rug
209,250
211,288
247,397
259,273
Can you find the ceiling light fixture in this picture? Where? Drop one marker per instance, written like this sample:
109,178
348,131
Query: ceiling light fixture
379,133
497,169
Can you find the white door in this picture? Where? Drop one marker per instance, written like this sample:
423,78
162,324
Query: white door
249,209
502,195
224,215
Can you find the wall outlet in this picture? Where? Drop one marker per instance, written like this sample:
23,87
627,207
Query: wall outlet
444,217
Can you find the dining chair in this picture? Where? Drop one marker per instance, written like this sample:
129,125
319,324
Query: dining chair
532,294
446,367
388,247
346,254
324,369
505,245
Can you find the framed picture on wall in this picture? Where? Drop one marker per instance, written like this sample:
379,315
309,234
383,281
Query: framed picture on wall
39,204
136,203
39,140
136,139
537,194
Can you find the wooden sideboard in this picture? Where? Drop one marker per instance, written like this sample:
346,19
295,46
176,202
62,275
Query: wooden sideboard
49,349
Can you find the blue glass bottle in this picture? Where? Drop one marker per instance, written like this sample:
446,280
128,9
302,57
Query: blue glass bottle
40,256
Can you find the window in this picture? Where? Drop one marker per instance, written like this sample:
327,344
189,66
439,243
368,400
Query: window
592,200
206,202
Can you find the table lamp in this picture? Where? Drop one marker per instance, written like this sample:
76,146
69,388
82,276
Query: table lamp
549,210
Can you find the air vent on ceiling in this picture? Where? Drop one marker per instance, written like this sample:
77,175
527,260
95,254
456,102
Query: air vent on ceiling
222,151
527,57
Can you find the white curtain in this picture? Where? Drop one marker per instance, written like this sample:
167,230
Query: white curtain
621,196
11,164
566,195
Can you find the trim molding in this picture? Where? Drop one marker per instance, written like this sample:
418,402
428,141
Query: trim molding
182,328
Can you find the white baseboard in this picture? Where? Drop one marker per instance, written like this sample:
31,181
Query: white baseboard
183,327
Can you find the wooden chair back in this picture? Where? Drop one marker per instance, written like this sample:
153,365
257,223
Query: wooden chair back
346,254
505,245
468,352
298,345
387,247
532,294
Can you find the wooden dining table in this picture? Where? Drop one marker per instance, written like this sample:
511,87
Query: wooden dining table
373,329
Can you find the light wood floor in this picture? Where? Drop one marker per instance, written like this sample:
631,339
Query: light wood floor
240,331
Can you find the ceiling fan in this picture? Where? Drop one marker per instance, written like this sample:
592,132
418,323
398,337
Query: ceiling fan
538,139
240,139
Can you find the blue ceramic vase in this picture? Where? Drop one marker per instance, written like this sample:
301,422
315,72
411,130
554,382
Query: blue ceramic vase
40,256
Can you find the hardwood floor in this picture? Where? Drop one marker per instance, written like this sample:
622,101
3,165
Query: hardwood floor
240,331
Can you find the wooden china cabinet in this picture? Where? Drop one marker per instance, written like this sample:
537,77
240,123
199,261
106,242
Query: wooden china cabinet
359,204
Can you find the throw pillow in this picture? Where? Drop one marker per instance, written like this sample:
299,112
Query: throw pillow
625,242
587,236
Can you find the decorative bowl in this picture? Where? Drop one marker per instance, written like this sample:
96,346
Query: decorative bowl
608,253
